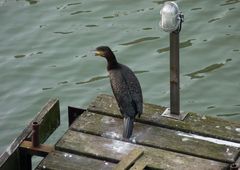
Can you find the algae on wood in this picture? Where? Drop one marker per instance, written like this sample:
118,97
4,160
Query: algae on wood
113,150
193,123
154,136
65,161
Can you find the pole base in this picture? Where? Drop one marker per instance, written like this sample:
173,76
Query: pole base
167,113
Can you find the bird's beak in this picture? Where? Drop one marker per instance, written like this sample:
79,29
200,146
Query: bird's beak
99,53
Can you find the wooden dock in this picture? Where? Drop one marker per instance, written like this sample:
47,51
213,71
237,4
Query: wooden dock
94,141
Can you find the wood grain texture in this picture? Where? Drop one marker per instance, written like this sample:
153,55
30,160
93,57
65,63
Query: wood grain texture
113,150
193,123
156,137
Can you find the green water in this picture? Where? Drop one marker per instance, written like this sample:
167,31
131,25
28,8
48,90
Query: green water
45,52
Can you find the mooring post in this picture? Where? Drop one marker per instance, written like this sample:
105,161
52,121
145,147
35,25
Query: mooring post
174,73
35,134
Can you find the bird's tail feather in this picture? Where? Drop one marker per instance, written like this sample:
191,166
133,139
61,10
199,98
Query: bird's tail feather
127,127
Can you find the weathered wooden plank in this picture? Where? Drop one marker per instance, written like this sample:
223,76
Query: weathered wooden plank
49,120
127,161
139,165
154,136
193,123
113,150
66,161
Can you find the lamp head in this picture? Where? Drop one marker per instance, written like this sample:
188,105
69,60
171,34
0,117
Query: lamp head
171,17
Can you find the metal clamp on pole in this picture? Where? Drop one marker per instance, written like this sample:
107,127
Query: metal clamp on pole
171,21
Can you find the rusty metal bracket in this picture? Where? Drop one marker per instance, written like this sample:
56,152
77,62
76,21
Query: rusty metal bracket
73,113
42,150
181,116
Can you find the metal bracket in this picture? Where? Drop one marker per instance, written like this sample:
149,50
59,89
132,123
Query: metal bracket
41,150
181,116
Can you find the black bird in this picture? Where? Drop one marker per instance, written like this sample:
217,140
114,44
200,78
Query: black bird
126,89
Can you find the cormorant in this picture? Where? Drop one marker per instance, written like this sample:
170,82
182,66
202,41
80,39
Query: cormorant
126,89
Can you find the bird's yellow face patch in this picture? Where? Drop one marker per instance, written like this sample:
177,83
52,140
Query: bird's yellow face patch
99,53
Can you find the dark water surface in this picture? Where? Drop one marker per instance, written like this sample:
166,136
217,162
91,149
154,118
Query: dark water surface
45,52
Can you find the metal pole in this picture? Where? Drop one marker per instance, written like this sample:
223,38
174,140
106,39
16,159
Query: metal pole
35,134
174,73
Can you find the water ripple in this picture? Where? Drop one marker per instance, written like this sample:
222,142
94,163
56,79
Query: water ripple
62,82
91,25
93,79
161,2
62,32
213,20
47,88
32,2
19,56
194,9
199,74
111,16
230,2
228,115
76,3
147,28
79,12
140,40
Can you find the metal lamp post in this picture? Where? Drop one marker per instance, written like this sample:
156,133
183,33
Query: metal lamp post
171,21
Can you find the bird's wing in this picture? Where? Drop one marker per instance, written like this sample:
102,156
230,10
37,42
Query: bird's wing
127,89
121,92
134,88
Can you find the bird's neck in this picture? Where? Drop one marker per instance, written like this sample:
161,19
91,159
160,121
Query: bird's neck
112,63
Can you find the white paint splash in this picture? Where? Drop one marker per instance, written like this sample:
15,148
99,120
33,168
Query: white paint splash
209,139
133,139
112,135
228,128
237,129
185,139
67,155
119,146
108,120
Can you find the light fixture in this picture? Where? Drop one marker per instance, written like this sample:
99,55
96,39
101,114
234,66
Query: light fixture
171,21
171,17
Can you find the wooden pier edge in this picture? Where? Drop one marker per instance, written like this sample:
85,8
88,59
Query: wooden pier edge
194,123
94,141
48,119
154,137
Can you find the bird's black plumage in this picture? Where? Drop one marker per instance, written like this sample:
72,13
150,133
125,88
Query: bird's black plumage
126,89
